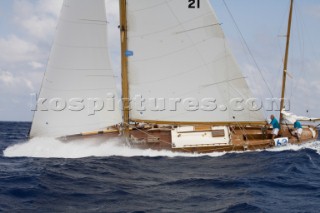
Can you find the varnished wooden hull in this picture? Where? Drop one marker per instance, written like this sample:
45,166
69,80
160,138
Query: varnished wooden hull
241,139
246,138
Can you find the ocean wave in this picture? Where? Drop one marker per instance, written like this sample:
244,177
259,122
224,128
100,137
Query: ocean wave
53,148
297,147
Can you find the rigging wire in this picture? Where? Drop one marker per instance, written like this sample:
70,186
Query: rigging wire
301,33
281,47
249,50
294,83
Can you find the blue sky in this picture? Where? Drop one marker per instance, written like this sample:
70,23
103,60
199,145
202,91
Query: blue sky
263,24
27,29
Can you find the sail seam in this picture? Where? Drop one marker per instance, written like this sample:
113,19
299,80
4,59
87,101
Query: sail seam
86,89
176,51
183,73
169,28
89,69
80,21
80,47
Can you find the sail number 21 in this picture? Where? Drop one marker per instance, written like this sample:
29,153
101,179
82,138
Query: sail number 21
194,4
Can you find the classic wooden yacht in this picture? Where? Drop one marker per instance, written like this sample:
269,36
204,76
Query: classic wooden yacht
172,58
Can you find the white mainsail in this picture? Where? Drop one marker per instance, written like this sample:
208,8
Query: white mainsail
78,69
179,52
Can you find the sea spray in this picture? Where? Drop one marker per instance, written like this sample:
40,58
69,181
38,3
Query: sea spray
297,147
53,148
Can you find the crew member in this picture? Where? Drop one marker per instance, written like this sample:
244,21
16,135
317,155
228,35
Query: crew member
276,127
297,129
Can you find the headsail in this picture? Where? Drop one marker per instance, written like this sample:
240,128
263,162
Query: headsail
177,52
79,75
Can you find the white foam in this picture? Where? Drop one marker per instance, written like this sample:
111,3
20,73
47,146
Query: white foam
294,147
52,148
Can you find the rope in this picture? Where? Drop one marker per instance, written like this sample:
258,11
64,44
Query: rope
289,129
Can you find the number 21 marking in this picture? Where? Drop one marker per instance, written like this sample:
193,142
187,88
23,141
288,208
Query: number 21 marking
194,4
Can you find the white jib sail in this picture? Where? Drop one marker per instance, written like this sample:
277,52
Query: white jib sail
78,92
181,53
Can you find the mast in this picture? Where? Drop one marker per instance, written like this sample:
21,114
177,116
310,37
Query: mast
285,67
124,65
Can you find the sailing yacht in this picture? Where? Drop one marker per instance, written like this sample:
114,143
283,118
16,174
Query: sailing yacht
181,85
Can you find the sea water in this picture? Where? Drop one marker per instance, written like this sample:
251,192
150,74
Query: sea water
46,175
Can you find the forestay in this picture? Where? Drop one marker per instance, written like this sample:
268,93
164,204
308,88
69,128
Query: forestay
78,69
177,52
